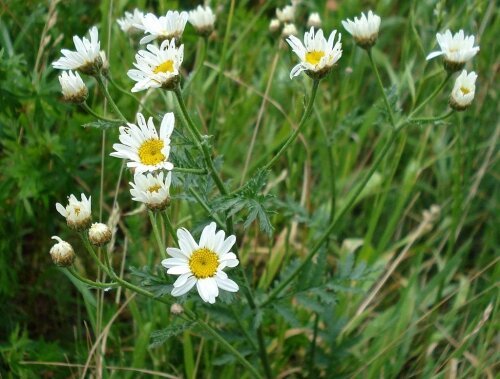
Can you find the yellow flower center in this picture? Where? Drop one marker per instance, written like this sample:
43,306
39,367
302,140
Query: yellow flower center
203,263
77,210
464,90
154,188
167,66
150,152
313,57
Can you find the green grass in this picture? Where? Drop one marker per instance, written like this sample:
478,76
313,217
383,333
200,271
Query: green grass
393,292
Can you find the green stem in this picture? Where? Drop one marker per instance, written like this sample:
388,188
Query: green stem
222,63
104,88
129,94
282,285
90,249
91,283
191,125
200,59
156,231
194,171
379,81
170,227
432,119
296,132
230,348
206,207
98,116
263,353
432,95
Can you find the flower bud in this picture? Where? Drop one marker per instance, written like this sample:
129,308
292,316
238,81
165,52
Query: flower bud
99,234
274,25
314,20
203,20
77,213
62,253
463,91
289,30
364,29
73,88
176,309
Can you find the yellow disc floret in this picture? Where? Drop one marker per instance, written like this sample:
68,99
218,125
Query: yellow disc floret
167,66
150,152
203,263
464,90
313,57
154,188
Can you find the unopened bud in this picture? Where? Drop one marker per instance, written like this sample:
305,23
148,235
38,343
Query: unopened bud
99,234
62,253
176,309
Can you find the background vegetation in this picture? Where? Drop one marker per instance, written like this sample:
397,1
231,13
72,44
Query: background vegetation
396,292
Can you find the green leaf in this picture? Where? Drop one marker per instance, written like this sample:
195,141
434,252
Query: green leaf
101,124
159,337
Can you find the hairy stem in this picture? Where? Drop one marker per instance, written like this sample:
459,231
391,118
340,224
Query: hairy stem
154,223
104,88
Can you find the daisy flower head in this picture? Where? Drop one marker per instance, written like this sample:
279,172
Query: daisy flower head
86,58
73,88
203,19
143,147
152,190
286,14
77,213
132,23
62,253
274,25
170,26
364,29
317,54
202,263
463,91
289,30
314,20
456,49
157,67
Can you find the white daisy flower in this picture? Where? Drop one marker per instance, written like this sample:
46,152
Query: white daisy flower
286,15
73,88
164,27
152,190
86,58
132,23
141,145
202,263
463,91
364,29
203,19
457,49
289,30
62,253
274,25
78,214
157,67
317,55
314,20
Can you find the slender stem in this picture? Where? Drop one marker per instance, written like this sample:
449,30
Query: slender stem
222,63
156,231
104,88
91,283
170,227
229,347
182,104
236,316
282,285
296,132
98,116
432,95
312,352
206,207
432,119
129,94
194,171
379,81
263,353
200,59
90,249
